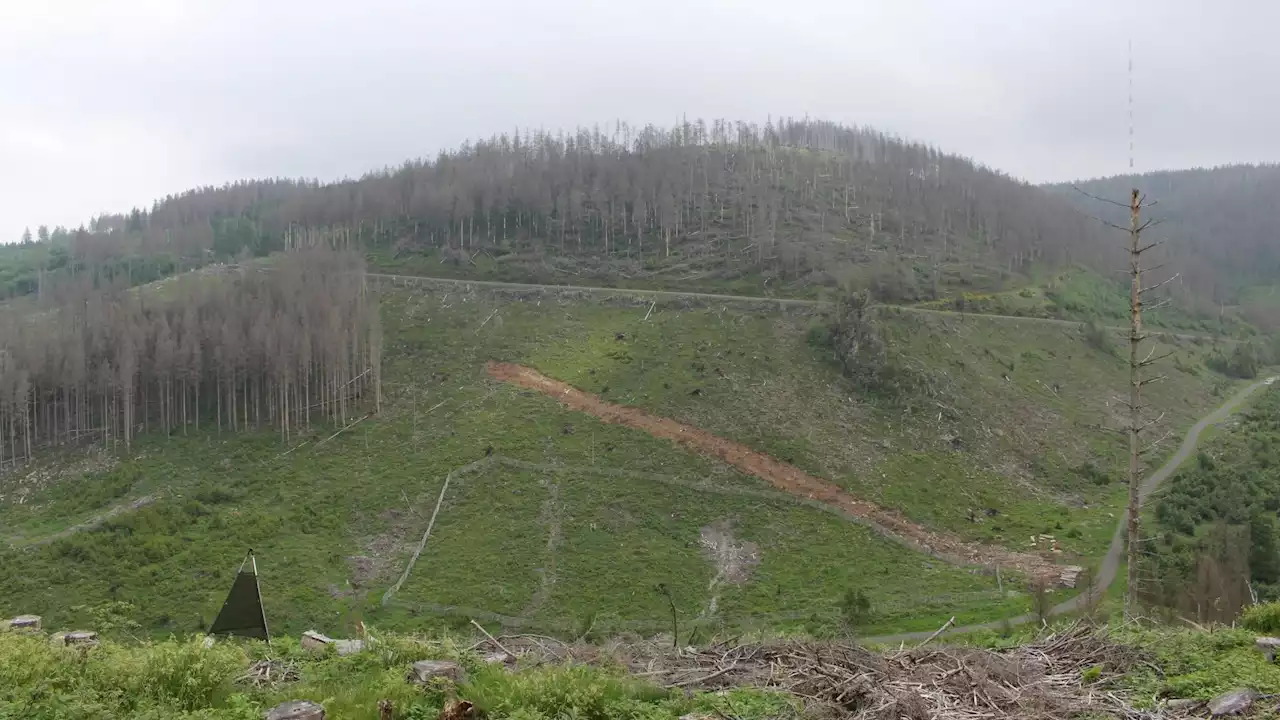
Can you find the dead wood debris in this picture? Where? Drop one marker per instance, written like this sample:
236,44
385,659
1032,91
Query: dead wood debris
1039,681
269,673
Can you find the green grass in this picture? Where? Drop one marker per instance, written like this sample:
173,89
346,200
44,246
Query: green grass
179,678
334,523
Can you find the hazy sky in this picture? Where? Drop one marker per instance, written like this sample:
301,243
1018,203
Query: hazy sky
108,105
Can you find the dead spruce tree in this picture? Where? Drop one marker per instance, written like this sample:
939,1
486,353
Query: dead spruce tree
1139,421
247,348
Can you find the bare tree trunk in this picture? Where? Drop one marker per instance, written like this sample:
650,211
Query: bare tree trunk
1135,397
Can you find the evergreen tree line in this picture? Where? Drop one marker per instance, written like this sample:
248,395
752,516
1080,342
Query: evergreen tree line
281,347
792,196
1218,523
1218,225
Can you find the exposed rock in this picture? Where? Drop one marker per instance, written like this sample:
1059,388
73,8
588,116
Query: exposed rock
1232,703
24,622
296,710
1268,646
1183,703
425,670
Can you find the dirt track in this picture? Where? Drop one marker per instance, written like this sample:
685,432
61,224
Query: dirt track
781,475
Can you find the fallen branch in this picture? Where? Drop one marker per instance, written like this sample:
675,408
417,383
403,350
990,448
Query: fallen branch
492,639
937,632
651,307
486,320
695,681
357,422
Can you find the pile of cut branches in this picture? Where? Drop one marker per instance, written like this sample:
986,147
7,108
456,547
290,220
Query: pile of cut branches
1064,674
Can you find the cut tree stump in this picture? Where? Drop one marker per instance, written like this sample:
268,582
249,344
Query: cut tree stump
24,622
296,710
312,640
80,637
425,670
1268,646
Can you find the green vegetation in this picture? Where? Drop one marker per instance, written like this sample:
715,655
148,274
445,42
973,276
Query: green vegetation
181,679
999,451
1083,294
1217,521
1263,618
1199,665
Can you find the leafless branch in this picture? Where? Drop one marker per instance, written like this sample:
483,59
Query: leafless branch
1160,284
1150,360
1117,203
1153,446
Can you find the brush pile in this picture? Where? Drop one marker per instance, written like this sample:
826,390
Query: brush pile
1064,674
269,673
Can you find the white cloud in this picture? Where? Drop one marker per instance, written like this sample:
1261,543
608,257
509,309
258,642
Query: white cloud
107,105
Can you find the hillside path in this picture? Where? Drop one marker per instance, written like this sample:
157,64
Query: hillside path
1115,553
781,475
888,522
759,299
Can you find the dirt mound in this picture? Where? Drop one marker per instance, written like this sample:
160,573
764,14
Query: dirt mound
781,475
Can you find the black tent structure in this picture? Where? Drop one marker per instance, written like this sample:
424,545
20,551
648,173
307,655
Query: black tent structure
242,613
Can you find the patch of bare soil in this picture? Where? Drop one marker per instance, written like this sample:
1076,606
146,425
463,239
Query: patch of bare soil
1040,681
734,561
781,475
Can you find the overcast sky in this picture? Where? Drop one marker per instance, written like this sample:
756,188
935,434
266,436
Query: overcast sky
108,105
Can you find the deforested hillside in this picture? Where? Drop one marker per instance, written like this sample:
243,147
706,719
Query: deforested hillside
782,207
979,431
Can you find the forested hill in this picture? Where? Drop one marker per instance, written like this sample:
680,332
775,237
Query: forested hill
1222,225
789,204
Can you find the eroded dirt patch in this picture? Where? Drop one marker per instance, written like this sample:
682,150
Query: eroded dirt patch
781,475
734,561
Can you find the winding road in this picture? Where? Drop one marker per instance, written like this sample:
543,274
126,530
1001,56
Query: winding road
1111,561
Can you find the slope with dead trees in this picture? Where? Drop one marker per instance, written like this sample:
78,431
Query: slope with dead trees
246,349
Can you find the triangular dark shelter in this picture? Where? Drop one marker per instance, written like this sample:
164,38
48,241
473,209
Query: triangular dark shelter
242,613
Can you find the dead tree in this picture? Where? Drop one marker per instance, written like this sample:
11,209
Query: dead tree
1139,421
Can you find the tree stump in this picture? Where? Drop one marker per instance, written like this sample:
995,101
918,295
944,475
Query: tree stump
1268,646
425,670
1233,703
24,622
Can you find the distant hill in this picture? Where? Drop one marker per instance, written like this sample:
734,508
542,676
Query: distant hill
787,206
1222,227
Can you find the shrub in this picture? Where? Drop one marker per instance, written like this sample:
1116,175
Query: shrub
1264,618
1241,363
1098,337
855,608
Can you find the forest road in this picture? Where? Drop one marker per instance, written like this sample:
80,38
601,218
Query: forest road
1115,553
757,299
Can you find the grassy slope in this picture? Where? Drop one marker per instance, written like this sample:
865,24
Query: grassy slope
334,523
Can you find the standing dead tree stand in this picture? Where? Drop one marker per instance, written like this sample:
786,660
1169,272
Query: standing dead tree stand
1138,421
